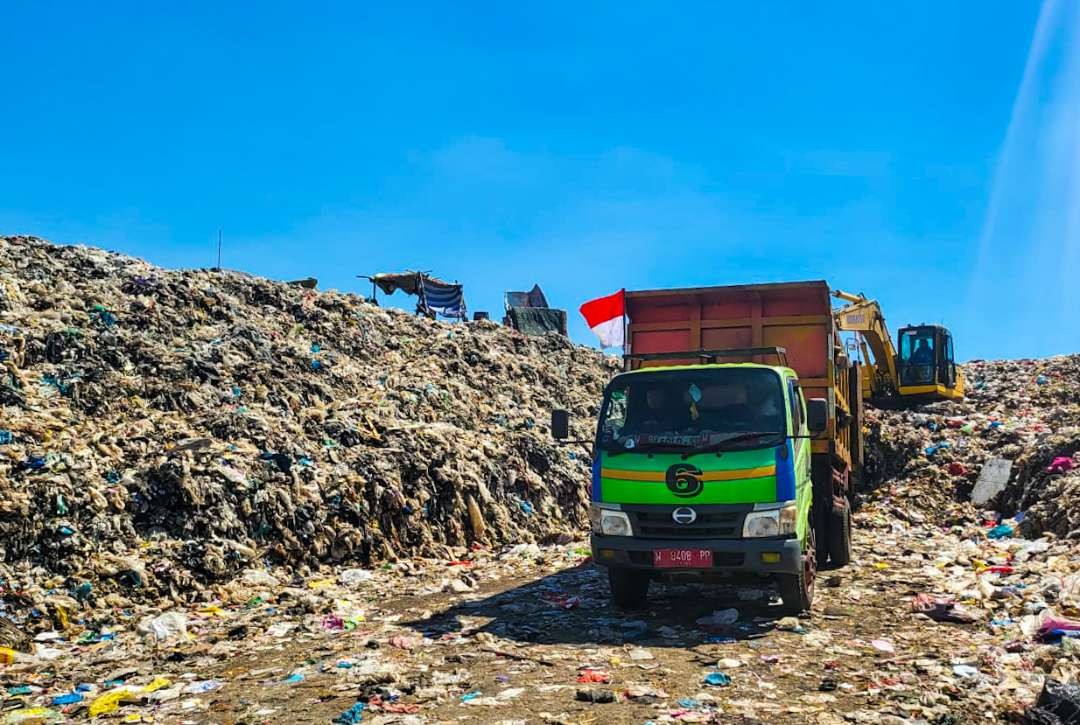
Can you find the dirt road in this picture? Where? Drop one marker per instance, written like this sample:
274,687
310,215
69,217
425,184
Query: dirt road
514,647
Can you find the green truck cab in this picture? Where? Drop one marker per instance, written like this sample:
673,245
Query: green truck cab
713,470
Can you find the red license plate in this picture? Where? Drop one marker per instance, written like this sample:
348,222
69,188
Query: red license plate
682,558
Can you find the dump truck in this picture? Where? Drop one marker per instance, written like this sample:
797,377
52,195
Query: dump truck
728,448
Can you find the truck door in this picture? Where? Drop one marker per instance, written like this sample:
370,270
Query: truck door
798,419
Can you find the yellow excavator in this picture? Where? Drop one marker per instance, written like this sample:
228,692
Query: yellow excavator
923,371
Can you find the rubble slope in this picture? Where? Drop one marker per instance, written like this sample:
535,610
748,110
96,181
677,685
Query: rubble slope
1023,411
160,428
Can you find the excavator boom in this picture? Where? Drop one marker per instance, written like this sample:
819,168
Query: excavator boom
864,316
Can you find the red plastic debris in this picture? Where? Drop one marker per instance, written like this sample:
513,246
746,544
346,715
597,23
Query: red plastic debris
590,676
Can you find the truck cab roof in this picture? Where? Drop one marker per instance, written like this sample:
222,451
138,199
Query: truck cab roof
779,369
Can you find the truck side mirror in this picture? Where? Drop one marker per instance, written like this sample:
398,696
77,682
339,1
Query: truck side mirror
560,424
817,415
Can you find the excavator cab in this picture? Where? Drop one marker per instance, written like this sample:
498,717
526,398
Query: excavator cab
926,365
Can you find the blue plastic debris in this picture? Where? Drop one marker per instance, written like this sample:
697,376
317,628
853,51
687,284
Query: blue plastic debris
937,447
33,463
351,716
67,699
6,437
526,507
470,695
717,679
1000,531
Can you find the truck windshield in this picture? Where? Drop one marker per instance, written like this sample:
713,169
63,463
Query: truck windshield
693,409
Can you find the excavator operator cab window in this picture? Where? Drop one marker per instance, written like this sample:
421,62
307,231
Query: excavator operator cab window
918,355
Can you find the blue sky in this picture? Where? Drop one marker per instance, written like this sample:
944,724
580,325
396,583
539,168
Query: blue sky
924,153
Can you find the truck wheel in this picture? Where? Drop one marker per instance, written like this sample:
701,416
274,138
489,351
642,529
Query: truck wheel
628,588
797,590
840,535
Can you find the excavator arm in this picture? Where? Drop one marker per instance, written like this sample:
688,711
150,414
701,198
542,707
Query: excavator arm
863,315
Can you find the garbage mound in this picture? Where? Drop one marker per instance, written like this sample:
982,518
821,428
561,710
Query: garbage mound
1010,448
162,429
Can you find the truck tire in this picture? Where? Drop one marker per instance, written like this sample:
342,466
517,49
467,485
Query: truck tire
840,535
797,590
629,588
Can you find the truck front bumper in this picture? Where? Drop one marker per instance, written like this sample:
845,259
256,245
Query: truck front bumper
730,556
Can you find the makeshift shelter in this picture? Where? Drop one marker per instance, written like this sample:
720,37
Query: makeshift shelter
528,312
434,296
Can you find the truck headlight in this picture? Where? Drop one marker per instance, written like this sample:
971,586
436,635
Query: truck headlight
773,522
609,522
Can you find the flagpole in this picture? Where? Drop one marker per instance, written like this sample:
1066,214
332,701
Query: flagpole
625,328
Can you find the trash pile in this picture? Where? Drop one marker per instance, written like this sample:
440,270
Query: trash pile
989,487
164,429
1010,446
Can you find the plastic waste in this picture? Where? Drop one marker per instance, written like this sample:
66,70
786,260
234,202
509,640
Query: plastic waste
1060,464
941,610
352,716
32,716
1058,704
353,578
593,676
595,696
164,626
717,679
719,618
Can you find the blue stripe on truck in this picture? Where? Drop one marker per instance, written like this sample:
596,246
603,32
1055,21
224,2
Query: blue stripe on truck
785,472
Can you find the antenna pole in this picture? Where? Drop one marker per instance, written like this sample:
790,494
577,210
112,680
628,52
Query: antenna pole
219,250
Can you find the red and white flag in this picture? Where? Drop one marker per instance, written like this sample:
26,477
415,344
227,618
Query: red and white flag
604,316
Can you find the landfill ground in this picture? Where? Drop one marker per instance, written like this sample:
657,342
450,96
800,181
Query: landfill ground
536,620
225,499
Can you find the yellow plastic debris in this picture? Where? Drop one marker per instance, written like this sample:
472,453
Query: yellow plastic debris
158,683
110,701
32,716
7,655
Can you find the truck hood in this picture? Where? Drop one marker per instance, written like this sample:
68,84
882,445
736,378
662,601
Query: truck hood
763,475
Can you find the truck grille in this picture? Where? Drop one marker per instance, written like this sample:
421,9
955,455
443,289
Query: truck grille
709,525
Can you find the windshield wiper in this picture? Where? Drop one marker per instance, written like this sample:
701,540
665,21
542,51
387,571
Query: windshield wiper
733,438
649,448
